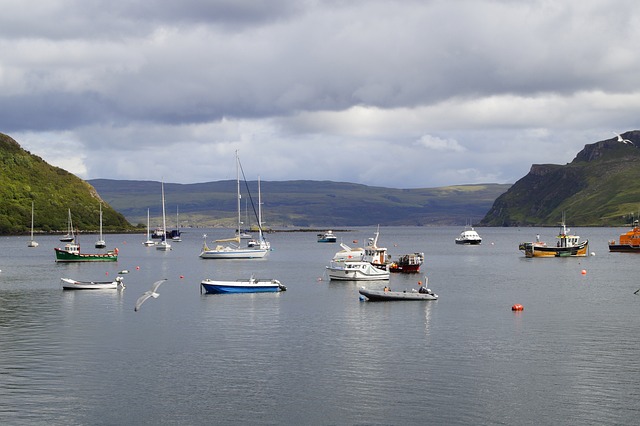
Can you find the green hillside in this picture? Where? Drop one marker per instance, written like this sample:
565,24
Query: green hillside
301,203
598,188
25,178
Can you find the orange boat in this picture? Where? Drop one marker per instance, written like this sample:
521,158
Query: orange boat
629,241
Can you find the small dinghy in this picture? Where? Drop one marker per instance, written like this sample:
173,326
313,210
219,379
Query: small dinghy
387,294
70,284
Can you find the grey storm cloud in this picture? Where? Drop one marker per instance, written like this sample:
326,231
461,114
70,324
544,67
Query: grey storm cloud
427,93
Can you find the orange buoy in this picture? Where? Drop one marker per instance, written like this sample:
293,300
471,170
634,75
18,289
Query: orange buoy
517,307
584,272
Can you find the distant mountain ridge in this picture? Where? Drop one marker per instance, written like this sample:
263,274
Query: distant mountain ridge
300,203
600,187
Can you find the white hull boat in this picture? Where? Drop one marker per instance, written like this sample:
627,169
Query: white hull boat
71,284
356,271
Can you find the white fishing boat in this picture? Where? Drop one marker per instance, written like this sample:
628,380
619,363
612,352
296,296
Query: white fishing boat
371,265
71,284
252,285
32,242
230,248
149,242
163,244
100,243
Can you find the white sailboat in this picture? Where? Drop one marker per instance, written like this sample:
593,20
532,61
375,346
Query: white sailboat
163,244
260,243
32,242
176,237
231,250
69,236
101,243
149,241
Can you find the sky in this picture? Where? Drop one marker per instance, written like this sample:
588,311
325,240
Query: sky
402,94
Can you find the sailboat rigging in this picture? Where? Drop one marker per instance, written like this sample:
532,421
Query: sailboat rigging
233,249
149,241
163,244
101,243
32,242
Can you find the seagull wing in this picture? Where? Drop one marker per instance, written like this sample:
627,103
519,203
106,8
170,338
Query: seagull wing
141,300
155,285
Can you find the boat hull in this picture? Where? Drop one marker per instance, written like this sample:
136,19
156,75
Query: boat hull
468,242
356,271
624,248
535,250
250,286
64,256
383,296
226,253
70,284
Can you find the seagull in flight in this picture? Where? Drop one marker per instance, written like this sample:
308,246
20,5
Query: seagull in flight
149,293
620,139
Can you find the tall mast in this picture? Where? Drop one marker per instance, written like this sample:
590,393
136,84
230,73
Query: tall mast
238,188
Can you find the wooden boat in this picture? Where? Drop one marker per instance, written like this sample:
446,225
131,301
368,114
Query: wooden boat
567,246
163,244
70,284
327,237
100,243
387,294
371,264
232,250
252,285
628,242
407,263
32,242
469,237
71,253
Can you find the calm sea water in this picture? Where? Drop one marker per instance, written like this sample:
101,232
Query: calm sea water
316,354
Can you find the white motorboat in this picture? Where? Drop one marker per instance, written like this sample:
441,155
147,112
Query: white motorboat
469,236
71,284
368,264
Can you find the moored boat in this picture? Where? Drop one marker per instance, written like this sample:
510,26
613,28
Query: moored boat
629,241
252,285
386,294
71,253
368,264
71,284
568,245
469,237
407,263
327,237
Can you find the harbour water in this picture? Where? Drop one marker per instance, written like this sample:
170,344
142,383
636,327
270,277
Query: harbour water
317,354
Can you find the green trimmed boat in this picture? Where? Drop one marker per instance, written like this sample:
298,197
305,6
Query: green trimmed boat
71,253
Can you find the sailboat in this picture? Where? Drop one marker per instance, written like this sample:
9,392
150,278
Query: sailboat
233,251
68,237
101,243
149,241
261,243
175,235
32,243
163,244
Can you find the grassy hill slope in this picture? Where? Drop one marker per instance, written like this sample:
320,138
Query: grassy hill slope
25,178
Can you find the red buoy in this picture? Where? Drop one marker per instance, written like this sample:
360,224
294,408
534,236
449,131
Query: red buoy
517,307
